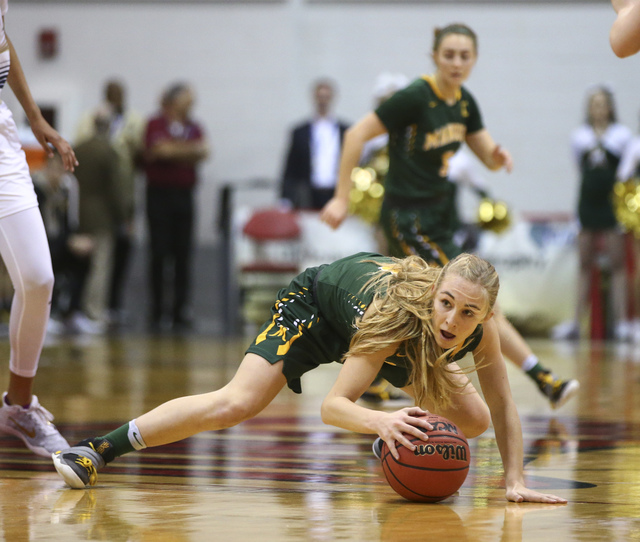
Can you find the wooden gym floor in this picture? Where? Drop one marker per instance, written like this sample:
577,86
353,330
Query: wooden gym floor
285,476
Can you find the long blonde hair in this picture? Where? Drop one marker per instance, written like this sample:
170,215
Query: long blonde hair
405,291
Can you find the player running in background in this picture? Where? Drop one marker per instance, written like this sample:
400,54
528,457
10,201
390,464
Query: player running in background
427,122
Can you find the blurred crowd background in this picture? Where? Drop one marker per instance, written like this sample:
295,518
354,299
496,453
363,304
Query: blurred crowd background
235,79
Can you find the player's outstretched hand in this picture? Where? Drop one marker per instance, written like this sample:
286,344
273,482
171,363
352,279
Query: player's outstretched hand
398,427
46,135
334,212
519,493
502,158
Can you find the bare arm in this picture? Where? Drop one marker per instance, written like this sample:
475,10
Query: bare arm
488,151
370,126
190,152
42,130
339,408
625,31
492,375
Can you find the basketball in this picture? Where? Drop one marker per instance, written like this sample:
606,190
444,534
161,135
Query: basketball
435,470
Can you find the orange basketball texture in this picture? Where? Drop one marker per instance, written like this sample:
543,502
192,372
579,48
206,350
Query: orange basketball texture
436,469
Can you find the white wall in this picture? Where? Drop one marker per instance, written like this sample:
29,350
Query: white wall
252,65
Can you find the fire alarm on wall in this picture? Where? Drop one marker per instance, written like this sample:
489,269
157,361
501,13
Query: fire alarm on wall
48,43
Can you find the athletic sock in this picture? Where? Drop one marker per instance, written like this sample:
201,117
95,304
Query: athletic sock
9,403
537,371
529,363
123,440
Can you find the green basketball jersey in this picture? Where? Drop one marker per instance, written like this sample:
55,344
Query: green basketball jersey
424,133
338,290
341,300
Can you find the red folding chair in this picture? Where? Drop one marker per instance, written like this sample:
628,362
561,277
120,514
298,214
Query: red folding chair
274,239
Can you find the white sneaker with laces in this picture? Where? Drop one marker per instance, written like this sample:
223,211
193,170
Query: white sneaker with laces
33,425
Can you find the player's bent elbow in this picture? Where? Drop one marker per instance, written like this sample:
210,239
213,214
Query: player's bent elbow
326,412
353,136
619,50
329,413
622,46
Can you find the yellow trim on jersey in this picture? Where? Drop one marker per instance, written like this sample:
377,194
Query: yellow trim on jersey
449,133
434,86
423,238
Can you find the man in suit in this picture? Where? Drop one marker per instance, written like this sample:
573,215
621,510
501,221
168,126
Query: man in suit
311,168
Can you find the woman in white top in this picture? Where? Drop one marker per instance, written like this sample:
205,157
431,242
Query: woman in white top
25,252
597,146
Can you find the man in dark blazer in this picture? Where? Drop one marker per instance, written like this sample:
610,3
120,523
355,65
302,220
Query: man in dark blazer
311,168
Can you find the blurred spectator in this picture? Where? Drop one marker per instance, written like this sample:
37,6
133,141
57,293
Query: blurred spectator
126,129
102,207
468,180
311,168
597,147
58,198
174,146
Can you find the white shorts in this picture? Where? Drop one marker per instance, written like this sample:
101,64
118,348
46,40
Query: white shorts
16,186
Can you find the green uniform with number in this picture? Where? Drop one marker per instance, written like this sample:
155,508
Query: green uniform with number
418,212
314,318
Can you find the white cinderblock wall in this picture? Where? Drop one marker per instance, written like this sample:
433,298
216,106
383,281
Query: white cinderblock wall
252,64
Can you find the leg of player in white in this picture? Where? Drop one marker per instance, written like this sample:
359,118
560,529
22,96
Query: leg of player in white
25,251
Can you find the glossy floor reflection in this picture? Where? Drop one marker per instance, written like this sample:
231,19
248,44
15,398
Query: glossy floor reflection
285,476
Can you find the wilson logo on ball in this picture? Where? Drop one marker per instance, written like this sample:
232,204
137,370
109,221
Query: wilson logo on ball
447,451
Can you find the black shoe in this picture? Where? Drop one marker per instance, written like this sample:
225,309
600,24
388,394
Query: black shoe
377,447
79,465
381,391
558,391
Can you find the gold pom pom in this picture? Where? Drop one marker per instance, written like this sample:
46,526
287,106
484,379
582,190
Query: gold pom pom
494,215
365,198
626,205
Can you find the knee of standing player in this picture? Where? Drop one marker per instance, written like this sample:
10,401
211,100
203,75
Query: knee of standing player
38,284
